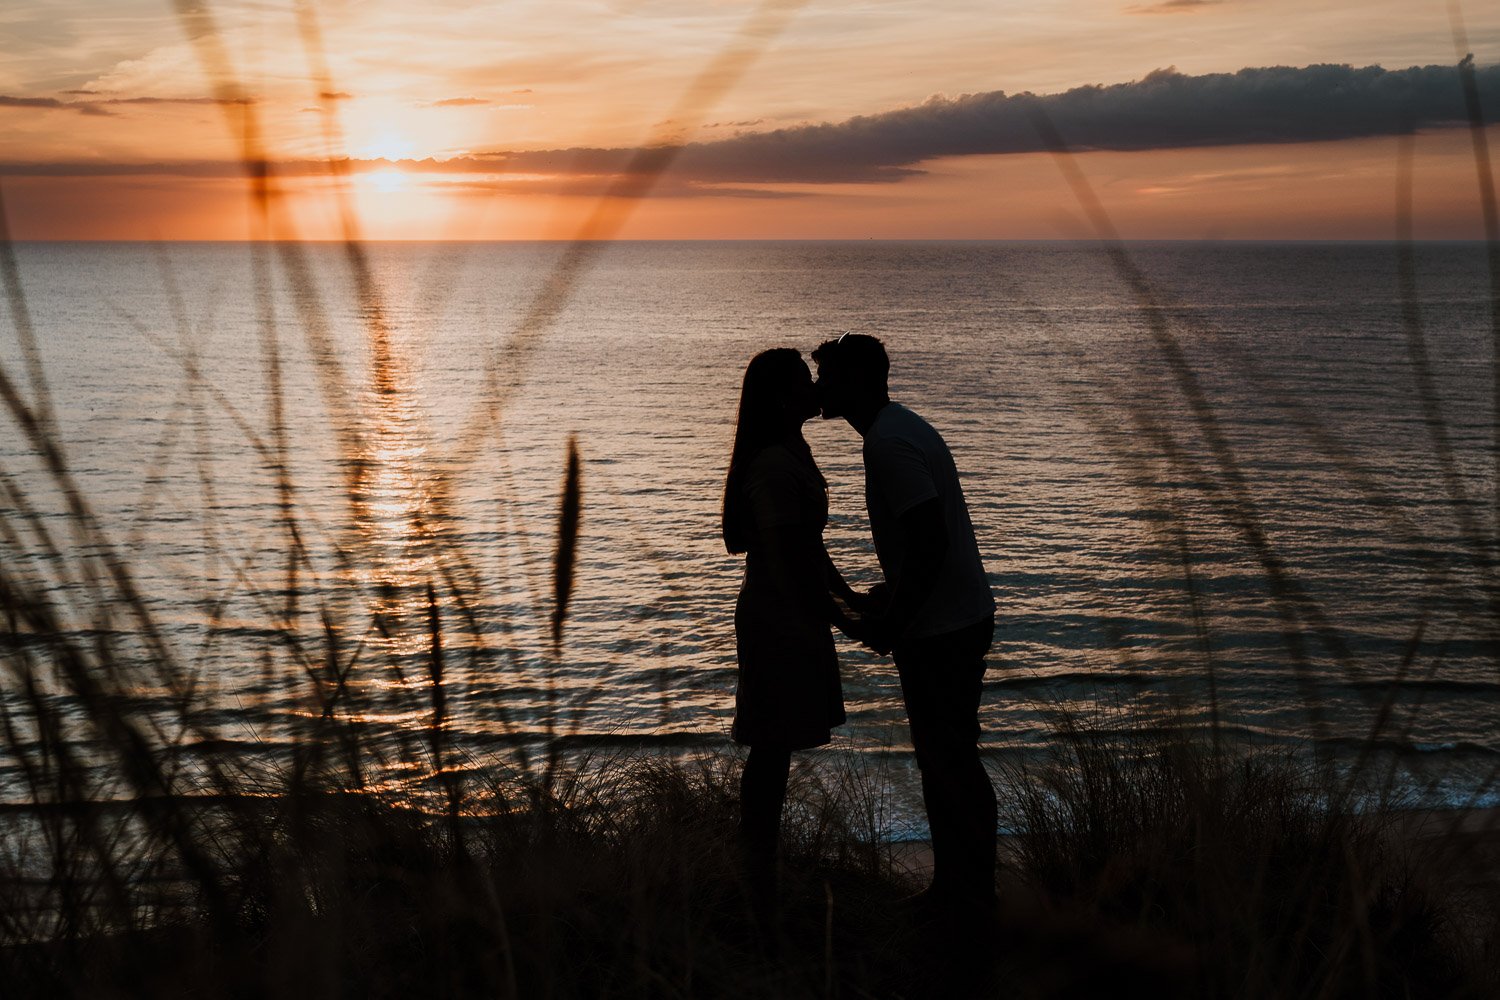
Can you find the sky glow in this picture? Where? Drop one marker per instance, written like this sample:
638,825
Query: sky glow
848,119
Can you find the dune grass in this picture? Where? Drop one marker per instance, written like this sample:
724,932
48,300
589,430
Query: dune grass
1157,866
627,883
1251,868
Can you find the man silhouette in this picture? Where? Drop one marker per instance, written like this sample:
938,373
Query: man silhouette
935,614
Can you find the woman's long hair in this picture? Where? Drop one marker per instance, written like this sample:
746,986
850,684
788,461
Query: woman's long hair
761,422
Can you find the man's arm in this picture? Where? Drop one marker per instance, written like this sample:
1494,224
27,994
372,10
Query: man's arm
924,533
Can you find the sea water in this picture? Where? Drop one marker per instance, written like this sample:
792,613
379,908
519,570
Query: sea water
1247,488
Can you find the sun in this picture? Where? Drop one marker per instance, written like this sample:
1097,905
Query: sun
389,146
387,181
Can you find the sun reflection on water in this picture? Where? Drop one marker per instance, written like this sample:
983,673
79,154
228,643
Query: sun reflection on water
396,503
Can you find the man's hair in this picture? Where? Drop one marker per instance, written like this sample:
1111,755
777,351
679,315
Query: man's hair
856,355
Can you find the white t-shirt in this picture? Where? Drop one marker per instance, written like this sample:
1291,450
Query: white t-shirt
907,462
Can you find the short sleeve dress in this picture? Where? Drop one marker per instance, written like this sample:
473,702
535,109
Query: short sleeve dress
789,694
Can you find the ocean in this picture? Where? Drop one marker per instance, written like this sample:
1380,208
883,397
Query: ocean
1242,487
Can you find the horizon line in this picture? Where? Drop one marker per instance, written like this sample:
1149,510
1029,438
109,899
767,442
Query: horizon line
340,241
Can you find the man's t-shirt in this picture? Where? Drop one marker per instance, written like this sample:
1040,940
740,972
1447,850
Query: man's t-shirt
907,462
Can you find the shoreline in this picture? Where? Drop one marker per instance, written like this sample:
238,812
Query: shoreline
1458,835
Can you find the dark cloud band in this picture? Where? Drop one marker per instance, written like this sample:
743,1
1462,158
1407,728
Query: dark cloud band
1164,110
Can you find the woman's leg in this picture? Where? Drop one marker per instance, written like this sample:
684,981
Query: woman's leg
762,793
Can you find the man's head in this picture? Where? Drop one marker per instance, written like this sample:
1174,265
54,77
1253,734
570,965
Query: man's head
852,373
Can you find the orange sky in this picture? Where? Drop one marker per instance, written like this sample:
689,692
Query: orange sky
112,129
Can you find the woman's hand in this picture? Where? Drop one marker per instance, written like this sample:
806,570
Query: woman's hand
852,626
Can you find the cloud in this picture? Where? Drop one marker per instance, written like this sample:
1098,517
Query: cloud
586,185
51,104
7,101
593,187
96,107
1172,7
458,102
334,95
231,101
102,168
1164,110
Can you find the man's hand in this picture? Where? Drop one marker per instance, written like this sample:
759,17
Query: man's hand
869,631
875,634
871,603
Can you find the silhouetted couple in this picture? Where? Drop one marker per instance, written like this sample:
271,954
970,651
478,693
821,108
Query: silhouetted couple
934,614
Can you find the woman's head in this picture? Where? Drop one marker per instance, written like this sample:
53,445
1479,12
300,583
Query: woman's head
776,398
776,395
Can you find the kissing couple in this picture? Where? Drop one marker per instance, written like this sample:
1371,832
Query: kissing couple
934,614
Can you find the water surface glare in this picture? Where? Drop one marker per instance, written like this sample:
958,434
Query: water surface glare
401,488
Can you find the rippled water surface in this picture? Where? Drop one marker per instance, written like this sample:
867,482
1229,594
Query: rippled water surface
1236,498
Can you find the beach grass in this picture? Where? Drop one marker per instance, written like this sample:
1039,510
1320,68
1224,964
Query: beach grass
1157,866
1268,883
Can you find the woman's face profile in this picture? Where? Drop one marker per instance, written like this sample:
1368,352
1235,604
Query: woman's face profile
801,399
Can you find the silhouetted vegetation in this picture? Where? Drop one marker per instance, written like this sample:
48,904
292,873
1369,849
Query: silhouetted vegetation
1265,883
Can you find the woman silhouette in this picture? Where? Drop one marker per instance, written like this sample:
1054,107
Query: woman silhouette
775,508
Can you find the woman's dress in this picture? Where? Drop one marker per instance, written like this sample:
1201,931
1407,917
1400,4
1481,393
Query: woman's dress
789,694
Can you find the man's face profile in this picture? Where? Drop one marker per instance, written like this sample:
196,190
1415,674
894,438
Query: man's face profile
826,388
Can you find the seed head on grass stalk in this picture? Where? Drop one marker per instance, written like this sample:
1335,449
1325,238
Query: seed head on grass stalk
564,560
563,563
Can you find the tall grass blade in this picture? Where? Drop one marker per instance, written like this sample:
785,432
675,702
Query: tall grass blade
1491,215
613,209
1231,489
20,314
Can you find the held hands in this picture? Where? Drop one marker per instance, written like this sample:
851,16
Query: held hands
869,627
871,603
866,630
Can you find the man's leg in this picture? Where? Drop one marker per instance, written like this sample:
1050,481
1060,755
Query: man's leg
942,681
978,812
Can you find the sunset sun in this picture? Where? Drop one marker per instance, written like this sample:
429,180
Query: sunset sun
388,181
